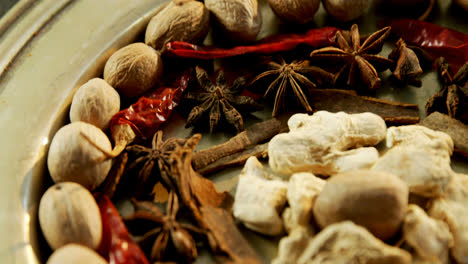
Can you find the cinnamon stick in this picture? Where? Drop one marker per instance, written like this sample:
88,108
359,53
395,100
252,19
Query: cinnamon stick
336,100
454,128
253,135
239,158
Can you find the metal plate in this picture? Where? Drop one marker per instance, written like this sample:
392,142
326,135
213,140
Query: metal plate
69,46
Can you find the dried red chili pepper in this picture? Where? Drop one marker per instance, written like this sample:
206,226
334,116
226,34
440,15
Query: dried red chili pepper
437,40
150,111
116,246
284,42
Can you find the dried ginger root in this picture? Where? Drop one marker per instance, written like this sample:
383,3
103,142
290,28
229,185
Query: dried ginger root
303,189
420,157
346,242
291,247
453,210
430,238
259,201
321,143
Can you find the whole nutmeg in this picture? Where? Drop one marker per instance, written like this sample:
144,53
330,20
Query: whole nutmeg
373,199
75,155
346,10
295,11
240,20
180,20
463,4
95,102
75,254
68,214
133,69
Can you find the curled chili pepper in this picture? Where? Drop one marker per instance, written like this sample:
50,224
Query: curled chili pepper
117,247
146,115
436,40
315,38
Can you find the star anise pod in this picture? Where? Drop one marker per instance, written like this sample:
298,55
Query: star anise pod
406,68
152,162
292,75
453,98
219,101
166,232
358,60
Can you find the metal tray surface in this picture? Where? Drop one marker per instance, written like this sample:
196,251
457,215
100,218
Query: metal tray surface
49,48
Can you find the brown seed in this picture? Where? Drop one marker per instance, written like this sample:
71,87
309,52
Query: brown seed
240,20
375,200
134,69
345,10
180,20
68,213
75,254
295,11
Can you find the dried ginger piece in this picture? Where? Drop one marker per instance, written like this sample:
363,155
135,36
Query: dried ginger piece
455,215
430,238
346,242
259,201
420,157
453,210
291,247
322,143
303,189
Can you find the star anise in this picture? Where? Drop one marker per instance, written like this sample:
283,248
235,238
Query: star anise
453,98
358,60
166,232
406,68
219,101
152,163
292,75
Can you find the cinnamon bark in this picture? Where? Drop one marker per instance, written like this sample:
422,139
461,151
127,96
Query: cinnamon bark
252,136
454,128
336,100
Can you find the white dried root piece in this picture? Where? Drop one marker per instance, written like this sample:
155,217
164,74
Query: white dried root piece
259,201
453,210
430,238
457,190
420,157
291,247
455,215
321,143
303,189
346,242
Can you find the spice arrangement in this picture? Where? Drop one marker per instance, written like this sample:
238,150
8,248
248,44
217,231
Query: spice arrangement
334,173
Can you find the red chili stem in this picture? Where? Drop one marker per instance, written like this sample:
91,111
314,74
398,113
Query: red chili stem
117,247
437,40
150,111
284,42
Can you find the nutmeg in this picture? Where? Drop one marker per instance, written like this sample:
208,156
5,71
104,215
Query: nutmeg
95,102
375,200
133,69
68,214
72,157
180,20
345,10
295,11
75,254
240,20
